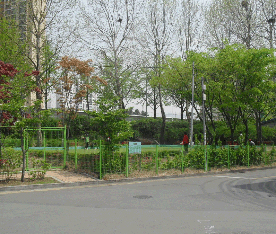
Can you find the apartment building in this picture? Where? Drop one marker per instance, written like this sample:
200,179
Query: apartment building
31,19
66,99
17,10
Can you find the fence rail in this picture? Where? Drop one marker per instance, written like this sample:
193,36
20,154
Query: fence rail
156,158
98,160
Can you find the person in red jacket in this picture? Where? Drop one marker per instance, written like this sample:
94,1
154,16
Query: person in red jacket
185,142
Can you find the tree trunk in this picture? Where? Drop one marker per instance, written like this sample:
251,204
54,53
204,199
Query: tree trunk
258,127
154,103
245,122
232,135
162,134
182,111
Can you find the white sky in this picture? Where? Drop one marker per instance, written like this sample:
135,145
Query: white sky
171,111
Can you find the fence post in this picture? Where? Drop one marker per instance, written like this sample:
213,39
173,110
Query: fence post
248,157
27,153
76,155
206,158
127,161
64,141
182,158
44,145
266,159
228,157
156,159
100,159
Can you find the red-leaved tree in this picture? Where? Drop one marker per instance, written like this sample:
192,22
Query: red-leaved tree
15,87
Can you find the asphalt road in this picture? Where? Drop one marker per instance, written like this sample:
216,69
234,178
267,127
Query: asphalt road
229,203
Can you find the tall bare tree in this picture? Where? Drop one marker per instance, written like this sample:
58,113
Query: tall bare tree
267,20
156,32
188,23
234,20
106,31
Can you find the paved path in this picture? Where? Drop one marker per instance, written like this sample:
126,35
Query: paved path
230,203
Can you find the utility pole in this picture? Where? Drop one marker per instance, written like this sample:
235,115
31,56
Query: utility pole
192,113
204,121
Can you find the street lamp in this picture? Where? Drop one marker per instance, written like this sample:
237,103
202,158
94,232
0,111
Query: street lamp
192,112
204,121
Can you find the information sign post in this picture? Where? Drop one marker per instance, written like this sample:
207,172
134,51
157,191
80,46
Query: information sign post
133,148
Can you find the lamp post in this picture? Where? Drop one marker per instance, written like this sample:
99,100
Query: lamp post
192,112
203,110
204,121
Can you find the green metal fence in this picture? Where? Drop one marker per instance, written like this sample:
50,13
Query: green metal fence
156,159
128,161
51,146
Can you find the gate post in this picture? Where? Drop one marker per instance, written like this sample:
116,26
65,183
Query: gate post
64,141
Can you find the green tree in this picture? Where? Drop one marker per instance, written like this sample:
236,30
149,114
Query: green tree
177,83
12,48
243,84
16,86
112,127
123,84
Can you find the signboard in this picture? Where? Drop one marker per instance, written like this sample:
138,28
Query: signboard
135,147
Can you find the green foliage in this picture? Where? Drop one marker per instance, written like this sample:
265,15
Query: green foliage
40,169
140,162
13,49
123,84
175,159
80,126
112,127
113,163
9,162
11,142
217,156
147,128
47,120
175,131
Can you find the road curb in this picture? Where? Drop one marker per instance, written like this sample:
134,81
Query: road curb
125,180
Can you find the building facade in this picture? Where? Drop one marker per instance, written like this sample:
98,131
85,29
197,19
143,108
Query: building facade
30,15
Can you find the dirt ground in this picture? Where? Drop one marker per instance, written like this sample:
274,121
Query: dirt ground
68,176
64,176
61,176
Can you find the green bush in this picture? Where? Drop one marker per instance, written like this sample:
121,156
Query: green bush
10,162
196,157
11,142
218,157
54,143
40,169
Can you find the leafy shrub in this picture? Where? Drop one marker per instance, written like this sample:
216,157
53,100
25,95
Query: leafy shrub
40,169
196,157
10,162
54,143
272,154
11,142
217,156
